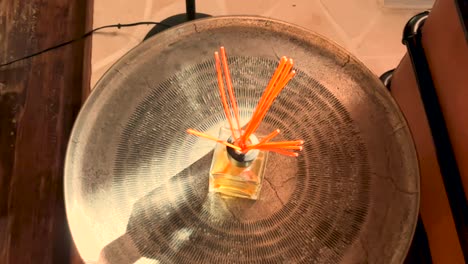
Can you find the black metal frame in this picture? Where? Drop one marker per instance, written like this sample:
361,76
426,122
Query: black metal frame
412,39
462,10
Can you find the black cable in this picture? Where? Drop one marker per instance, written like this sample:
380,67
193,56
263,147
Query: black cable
87,34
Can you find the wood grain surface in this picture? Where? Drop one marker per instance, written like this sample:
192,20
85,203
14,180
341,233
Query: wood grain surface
39,100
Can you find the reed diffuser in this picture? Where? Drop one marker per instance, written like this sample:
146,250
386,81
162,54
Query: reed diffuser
240,155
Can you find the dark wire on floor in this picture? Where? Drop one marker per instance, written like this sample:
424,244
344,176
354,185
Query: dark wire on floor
87,34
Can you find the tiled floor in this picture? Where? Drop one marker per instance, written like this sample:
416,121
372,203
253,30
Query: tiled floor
367,28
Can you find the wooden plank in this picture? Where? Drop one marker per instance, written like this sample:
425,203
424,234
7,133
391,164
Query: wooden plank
39,100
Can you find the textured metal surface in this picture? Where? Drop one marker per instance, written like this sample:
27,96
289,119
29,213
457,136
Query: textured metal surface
136,184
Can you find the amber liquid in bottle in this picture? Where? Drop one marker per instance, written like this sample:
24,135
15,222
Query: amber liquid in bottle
233,178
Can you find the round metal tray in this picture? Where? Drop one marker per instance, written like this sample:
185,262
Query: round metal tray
136,184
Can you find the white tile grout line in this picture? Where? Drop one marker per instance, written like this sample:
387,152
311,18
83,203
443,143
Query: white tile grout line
339,30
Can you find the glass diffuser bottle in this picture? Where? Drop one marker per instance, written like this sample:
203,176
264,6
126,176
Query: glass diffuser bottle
235,173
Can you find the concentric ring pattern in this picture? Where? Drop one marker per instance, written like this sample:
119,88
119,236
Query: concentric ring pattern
137,184
327,198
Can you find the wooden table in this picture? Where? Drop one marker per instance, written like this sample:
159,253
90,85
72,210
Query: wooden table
39,100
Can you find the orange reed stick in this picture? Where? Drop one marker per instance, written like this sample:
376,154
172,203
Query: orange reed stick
274,83
264,140
273,145
203,135
278,147
278,90
273,80
262,114
232,97
227,112
254,122
269,136
284,143
287,74
265,96
285,152
288,68
277,83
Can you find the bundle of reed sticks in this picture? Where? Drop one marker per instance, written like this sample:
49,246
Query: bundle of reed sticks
282,75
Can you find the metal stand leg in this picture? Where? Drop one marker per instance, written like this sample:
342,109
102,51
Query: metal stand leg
190,9
189,15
